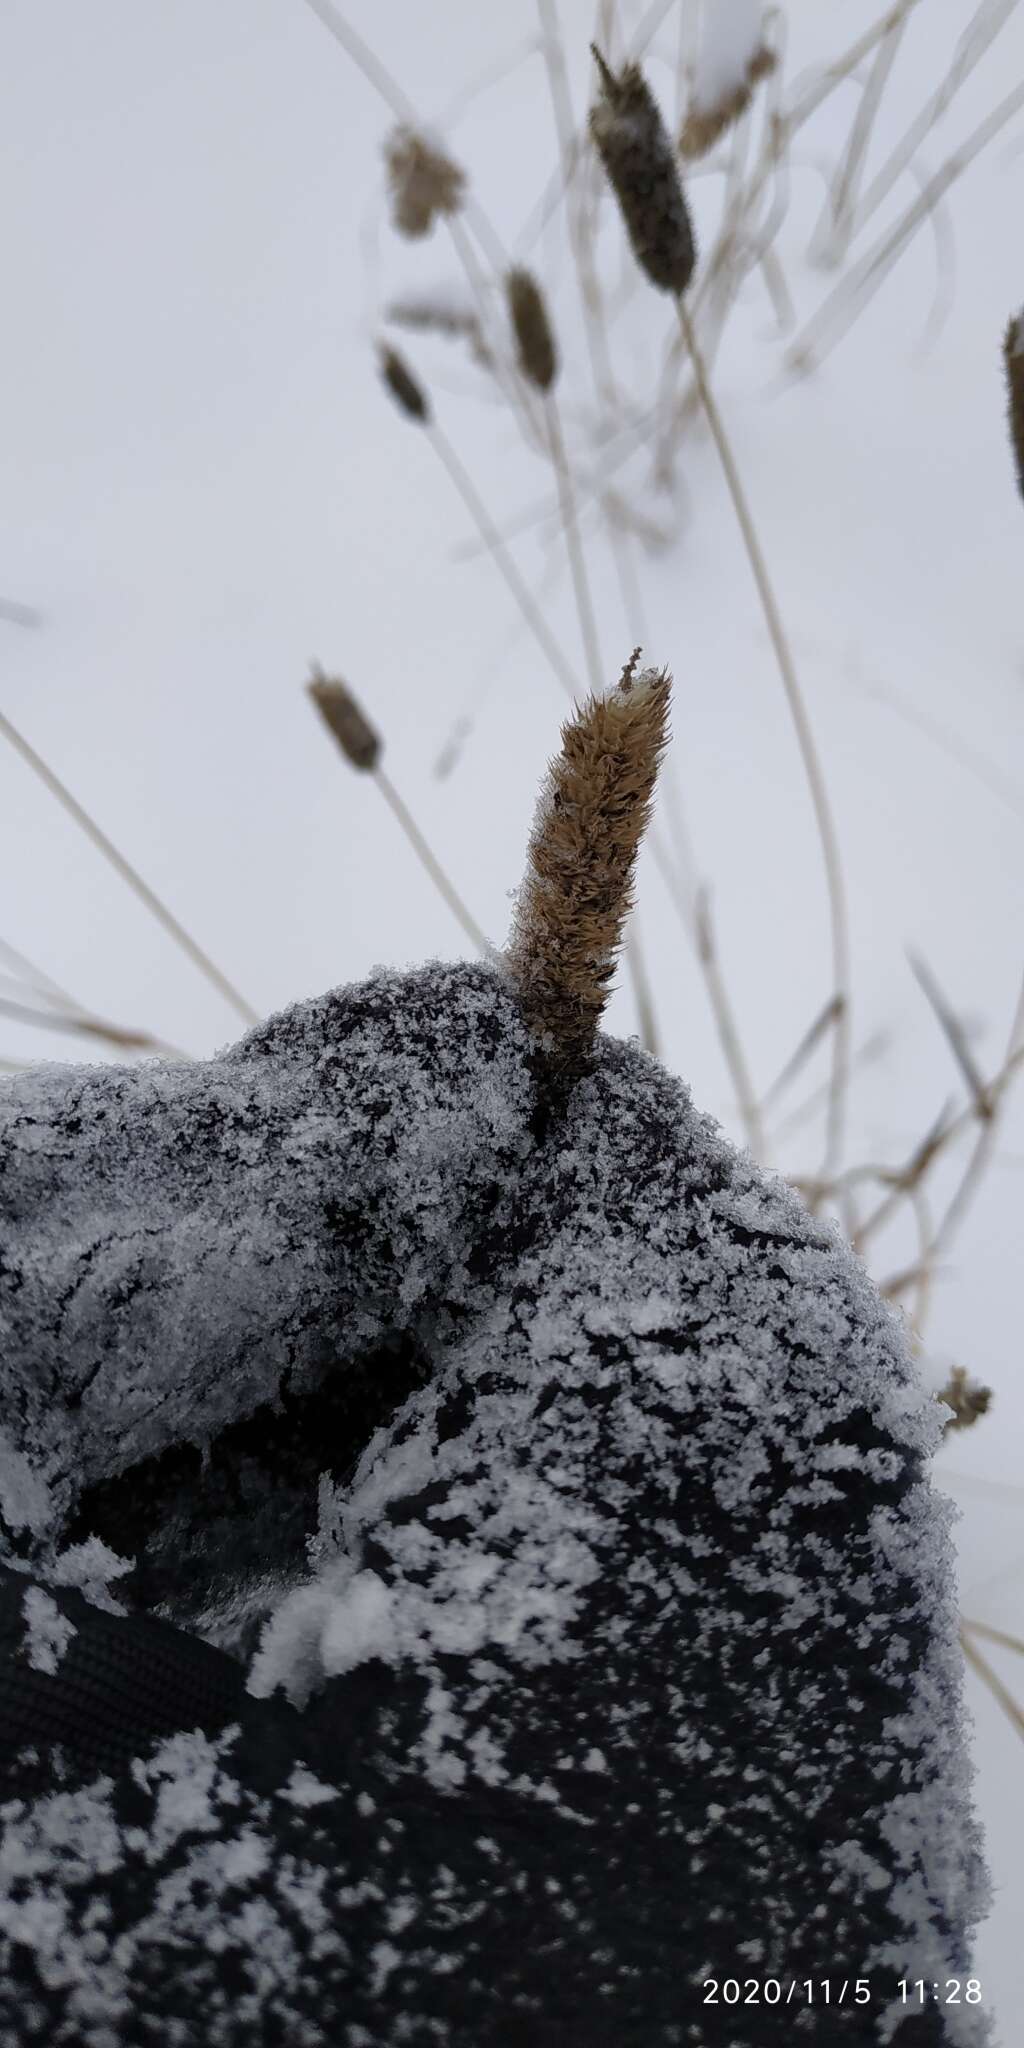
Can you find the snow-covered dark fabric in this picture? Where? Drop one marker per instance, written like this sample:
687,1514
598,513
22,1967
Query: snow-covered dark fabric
609,1642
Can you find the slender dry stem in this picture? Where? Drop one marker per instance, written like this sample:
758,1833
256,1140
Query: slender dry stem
432,864
360,742
833,234
840,309
128,874
570,151
86,1026
746,1094
805,740
1000,1693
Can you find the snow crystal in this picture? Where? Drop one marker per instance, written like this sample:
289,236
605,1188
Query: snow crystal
47,1631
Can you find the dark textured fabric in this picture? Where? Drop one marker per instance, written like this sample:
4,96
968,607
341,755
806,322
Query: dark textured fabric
624,1655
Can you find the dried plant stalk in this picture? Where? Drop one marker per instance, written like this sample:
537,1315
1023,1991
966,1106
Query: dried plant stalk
424,182
704,125
362,747
572,908
630,138
128,873
535,341
1013,357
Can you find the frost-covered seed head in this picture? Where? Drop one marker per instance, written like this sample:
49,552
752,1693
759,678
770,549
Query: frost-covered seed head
359,741
404,387
1013,357
535,342
705,124
967,1398
424,182
572,909
633,146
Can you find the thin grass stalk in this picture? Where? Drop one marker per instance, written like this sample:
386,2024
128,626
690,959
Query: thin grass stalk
38,980
871,1049
990,1678
971,47
493,542
574,550
847,300
984,1144
358,739
798,1059
83,1025
40,983
994,1635
952,744
834,74
835,229
722,1012
570,155
129,874
943,1138
432,865
746,1094
819,797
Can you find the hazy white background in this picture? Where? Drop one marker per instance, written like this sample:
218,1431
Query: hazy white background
202,486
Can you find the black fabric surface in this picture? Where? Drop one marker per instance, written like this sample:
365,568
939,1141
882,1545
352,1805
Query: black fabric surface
624,1656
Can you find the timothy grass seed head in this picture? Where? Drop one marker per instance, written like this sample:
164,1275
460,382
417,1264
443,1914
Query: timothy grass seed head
405,389
572,908
705,124
423,181
345,718
535,341
633,145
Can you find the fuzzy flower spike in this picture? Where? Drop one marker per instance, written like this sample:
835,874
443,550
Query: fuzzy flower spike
572,908
635,150
424,182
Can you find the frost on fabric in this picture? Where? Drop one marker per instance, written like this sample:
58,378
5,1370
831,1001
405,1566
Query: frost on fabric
47,1631
632,1617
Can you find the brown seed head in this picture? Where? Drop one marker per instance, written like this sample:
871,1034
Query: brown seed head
630,137
1013,357
403,386
424,182
703,125
967,1398
357,738
535,342
572,908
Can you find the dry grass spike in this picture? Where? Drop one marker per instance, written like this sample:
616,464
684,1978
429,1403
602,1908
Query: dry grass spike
572,908
535,341
424,182
704,125
967,1398
1013,357
345,719
631,140
405,389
